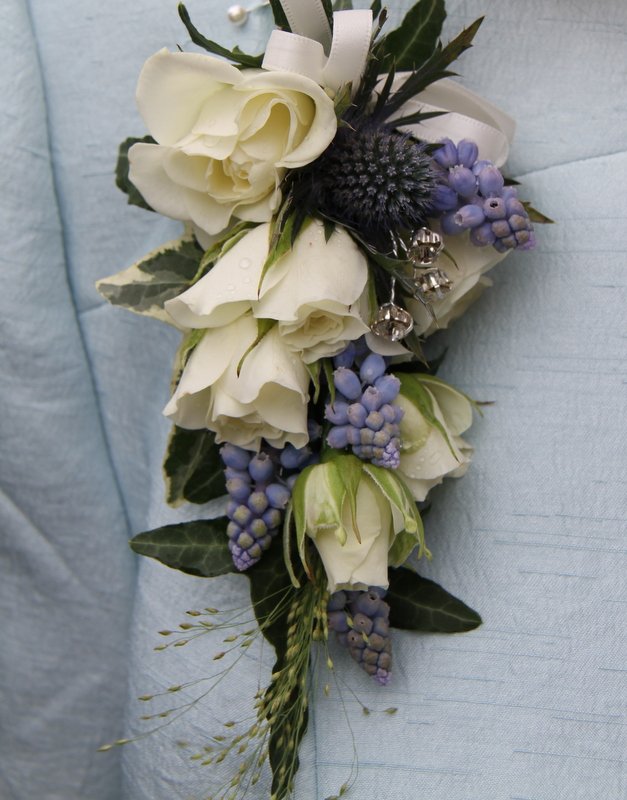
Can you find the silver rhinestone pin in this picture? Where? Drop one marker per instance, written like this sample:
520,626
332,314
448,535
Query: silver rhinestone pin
425,247
432,283
391,321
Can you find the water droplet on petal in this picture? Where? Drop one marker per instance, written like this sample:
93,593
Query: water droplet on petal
246,280
245,263
230,287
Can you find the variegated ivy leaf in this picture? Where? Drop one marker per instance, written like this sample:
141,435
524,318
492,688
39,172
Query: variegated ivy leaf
192,467
146,285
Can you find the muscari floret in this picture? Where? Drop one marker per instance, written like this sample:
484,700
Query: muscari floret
361,623
260,488
473,196
363,414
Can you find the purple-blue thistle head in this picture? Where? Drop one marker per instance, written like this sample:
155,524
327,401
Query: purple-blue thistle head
375,179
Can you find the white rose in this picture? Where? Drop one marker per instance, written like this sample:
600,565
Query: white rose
267,400
316,291
467,275
360,517
435,416
225,137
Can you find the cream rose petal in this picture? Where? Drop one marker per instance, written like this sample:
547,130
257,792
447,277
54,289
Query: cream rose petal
146,170
230,287
455,408
324,125
316,271
209,360
205,212
270,362
173,89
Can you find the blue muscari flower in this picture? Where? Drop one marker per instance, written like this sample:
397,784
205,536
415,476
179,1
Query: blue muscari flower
467,152
254,519
446,156
462,181
259,492
346,357
472,196
361,623
369,424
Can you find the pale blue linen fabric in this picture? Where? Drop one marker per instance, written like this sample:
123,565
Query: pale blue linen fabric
531,706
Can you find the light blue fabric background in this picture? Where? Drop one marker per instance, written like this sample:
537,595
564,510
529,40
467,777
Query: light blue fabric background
531,706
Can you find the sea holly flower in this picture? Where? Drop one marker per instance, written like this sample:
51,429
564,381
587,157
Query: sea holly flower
267,399
435,414
224,137
316,291
360,517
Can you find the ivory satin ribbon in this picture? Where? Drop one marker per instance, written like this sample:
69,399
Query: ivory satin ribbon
304,51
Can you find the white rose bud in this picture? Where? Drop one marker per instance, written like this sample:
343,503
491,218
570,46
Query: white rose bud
361,518
224,137
435,416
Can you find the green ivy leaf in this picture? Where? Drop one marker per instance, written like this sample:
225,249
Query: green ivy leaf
418,604
413,42
197,548
122,181
537,216
146,285
213,47
192,467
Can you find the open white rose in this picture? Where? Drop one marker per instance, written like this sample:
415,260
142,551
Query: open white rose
435,416
361,519
224,137
469,281
316,291
267,400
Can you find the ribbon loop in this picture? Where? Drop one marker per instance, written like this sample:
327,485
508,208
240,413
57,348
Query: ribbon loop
308,18
468,116
289,52
352,31
305,55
